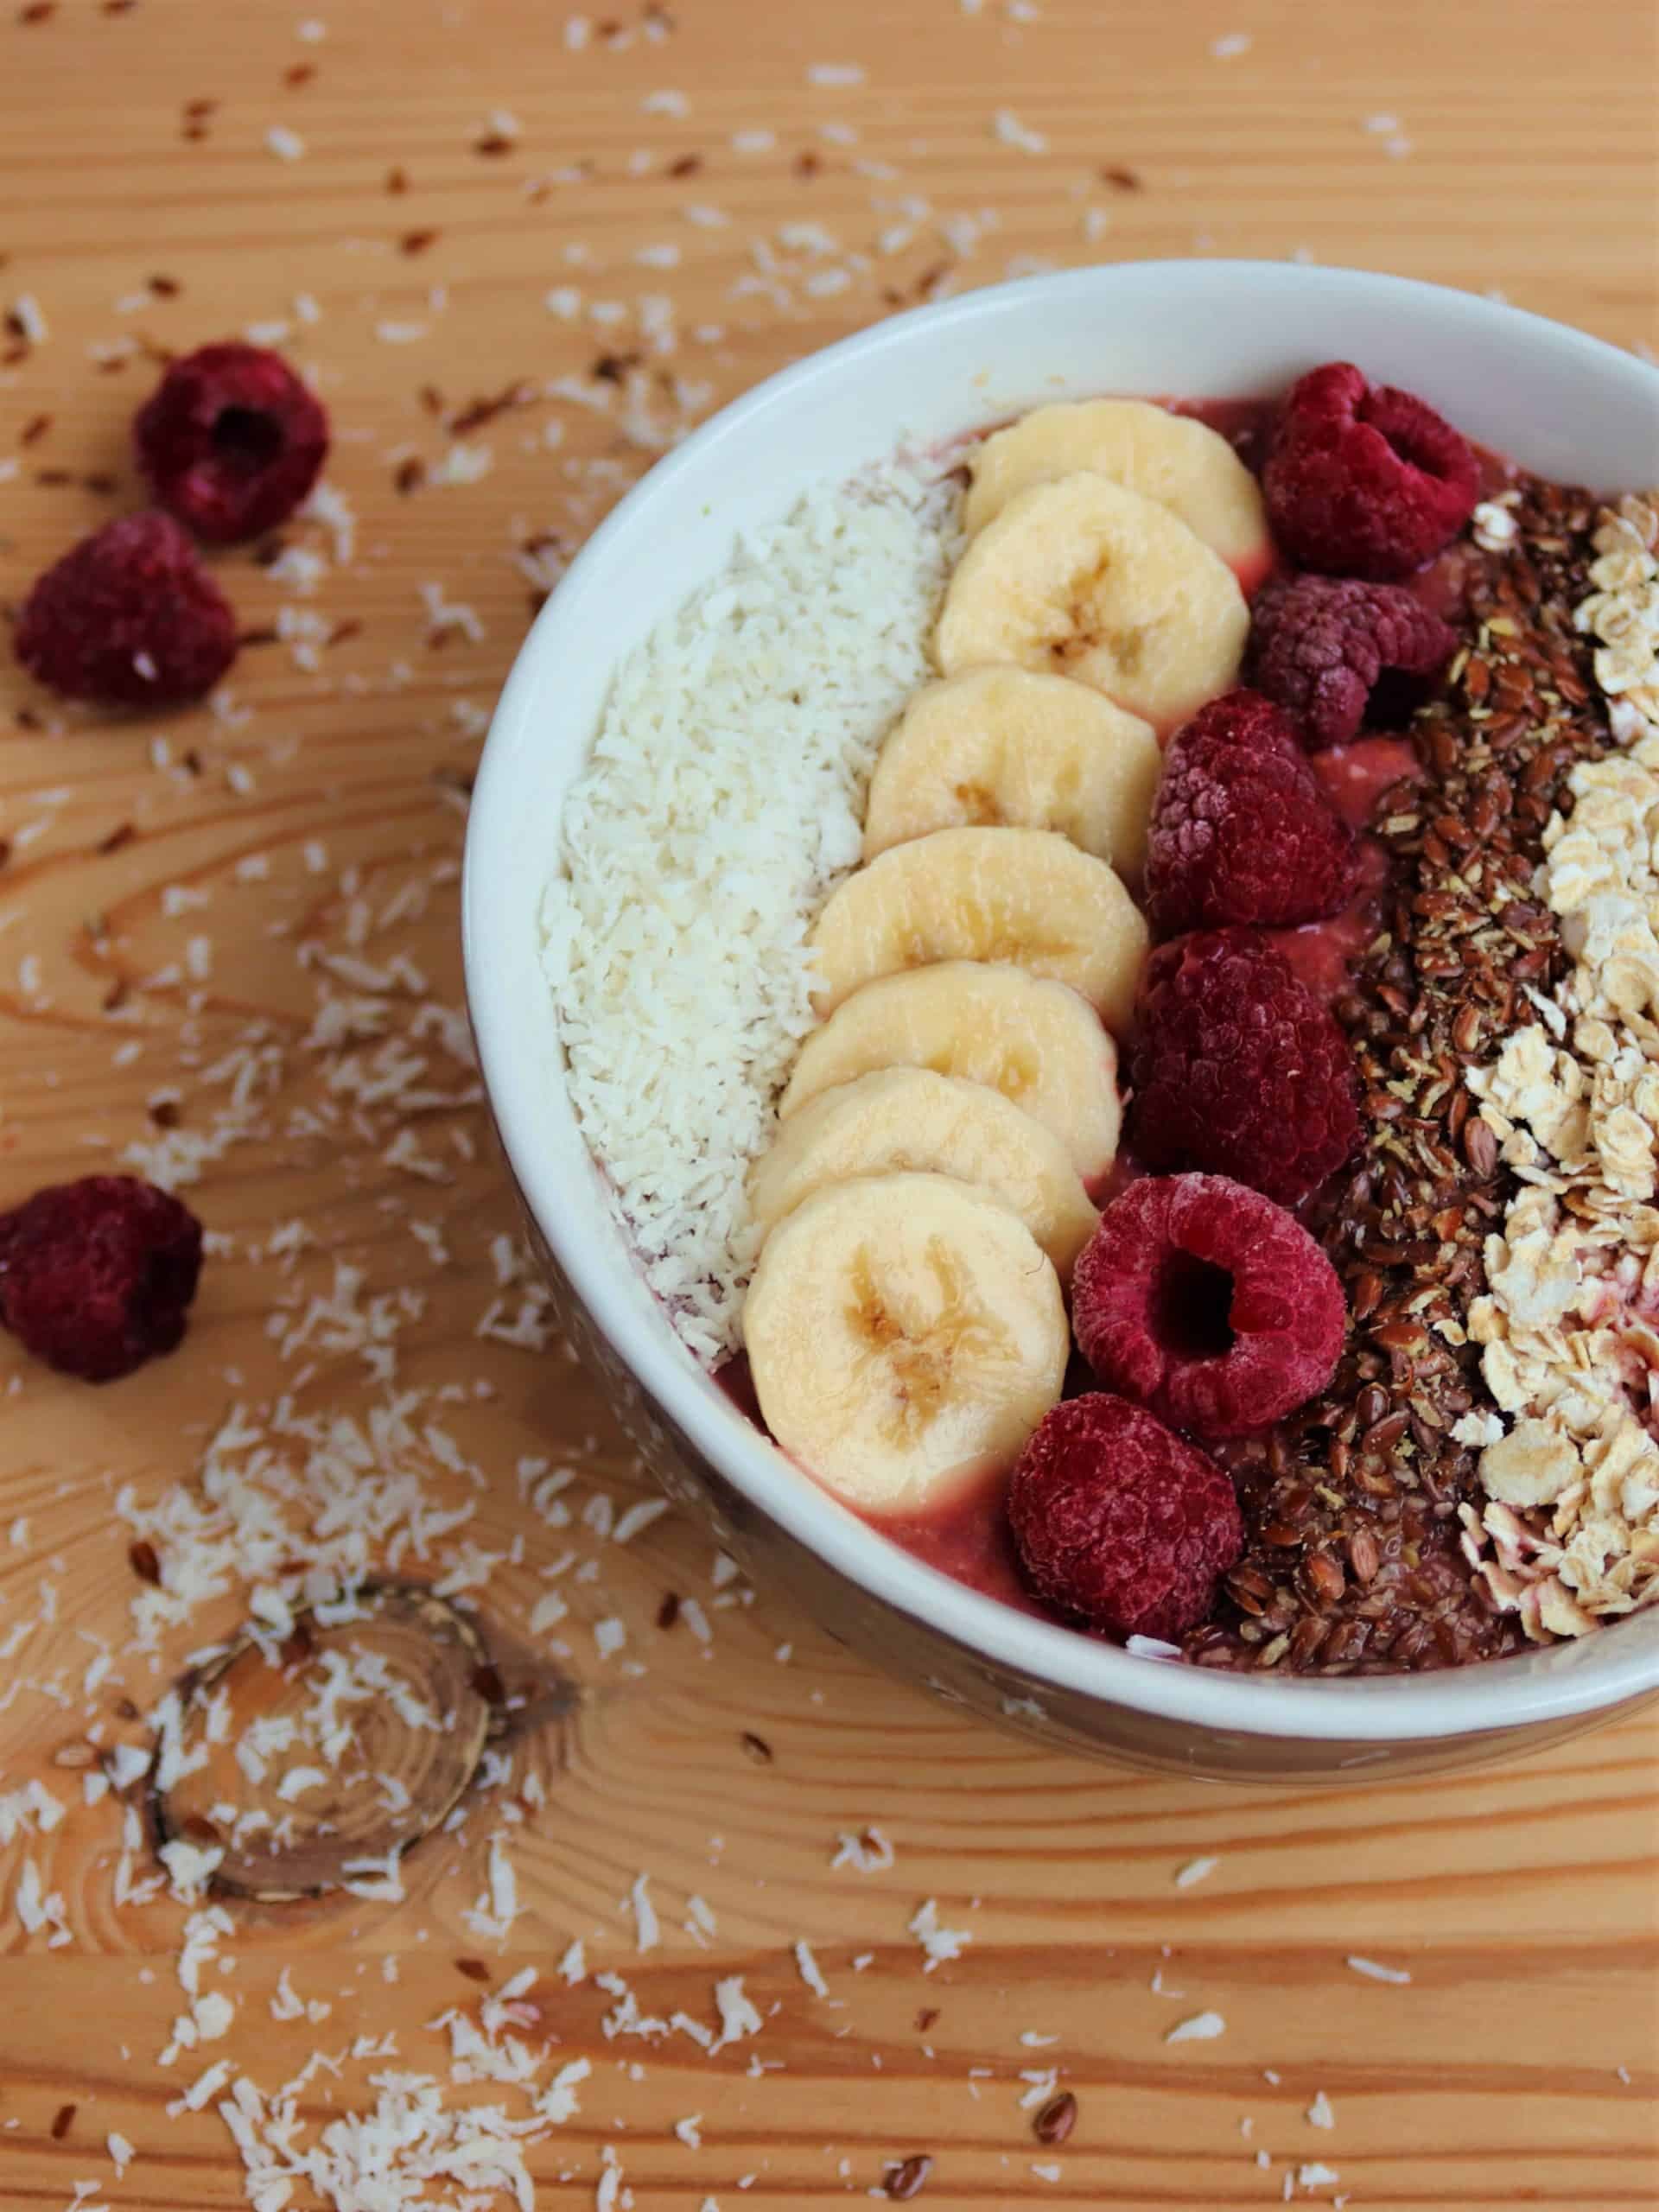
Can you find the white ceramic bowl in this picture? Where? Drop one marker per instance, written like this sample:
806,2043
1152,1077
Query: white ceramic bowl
1556,401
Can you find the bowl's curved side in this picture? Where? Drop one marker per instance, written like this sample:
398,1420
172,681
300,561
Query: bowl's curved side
1557,400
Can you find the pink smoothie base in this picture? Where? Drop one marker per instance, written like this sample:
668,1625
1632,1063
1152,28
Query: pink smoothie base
968,1537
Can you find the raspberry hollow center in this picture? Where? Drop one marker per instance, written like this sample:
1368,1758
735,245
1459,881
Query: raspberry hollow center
1192,1307
247,437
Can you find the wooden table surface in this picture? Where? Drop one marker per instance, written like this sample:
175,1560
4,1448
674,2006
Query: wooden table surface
228,952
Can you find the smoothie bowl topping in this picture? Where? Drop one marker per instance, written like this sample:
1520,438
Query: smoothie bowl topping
1111,974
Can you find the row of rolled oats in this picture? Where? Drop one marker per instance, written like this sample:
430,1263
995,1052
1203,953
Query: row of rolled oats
1569,1330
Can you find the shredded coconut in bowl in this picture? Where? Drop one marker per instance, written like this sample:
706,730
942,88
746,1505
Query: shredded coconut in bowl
722,804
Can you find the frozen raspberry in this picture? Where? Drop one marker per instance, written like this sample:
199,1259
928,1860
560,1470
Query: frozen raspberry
1207,1304
1363,479
95,1276
128,618
1237,1069
1120,1523
1330,651
1240,830
231,441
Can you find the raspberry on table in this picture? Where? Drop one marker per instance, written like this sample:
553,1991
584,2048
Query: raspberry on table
96,1277
1208,1304
1121,1523
1237,1069
128,618
1241,830
1331,650
231,441
1364,480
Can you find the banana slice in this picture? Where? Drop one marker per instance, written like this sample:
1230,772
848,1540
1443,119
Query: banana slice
1184,464
1006,747
910,1119
905,1335
1026,896
1079,578
1035,1042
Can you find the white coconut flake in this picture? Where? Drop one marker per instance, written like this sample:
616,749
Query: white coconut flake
609,1636
637,1518
1041,2081
202,2090
286,144
810,1973
1008,131
738,2017
647,1929
1151,1647
1194,1871
1200,2027
607,2196
696,1620
941,1944
869,1851
494,1913
1320,2112
1374,1972
443,614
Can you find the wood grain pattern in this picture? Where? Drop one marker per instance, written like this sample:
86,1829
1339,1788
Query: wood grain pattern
270,894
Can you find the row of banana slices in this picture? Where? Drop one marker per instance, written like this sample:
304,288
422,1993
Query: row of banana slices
947,1128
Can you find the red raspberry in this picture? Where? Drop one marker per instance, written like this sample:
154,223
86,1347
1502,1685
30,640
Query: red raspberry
1207,1304
128,618
231,441
1237,1069
1120,1523
1364,480
1321,647
1240,830
95,1276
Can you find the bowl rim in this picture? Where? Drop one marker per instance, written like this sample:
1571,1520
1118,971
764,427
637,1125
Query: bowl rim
1489,1698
